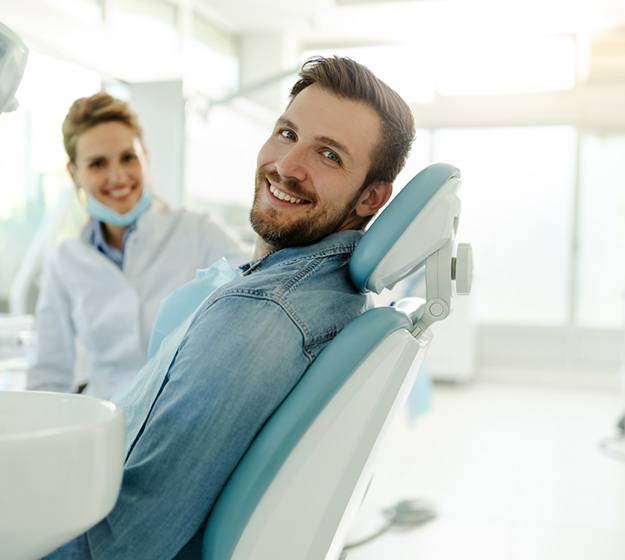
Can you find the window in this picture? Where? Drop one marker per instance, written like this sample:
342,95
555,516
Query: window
151,21
32,168
452,65
517,196
411,72
600,300
213,66
496,66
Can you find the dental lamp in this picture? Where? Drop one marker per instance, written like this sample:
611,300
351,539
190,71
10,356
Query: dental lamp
13,57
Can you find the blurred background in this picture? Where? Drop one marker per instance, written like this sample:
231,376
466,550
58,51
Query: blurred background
526,98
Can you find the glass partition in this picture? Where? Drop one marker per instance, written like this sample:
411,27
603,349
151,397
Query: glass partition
517,197
600,300
32,159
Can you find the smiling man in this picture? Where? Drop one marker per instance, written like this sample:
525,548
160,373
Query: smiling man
312,171
326,169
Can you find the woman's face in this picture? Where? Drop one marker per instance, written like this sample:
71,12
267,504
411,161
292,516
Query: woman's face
110,165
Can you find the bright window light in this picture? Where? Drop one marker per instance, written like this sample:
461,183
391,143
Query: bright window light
35,144
410,74
152,22
210,72
420,156
223,146
88,11
32,164
601,267
499,66
517,197
456,65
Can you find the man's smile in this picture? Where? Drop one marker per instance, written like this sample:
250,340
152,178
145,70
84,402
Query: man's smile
284,196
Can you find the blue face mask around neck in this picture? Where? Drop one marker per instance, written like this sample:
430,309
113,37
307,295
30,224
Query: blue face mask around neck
103,213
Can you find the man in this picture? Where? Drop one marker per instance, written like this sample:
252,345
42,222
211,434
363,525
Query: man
326,169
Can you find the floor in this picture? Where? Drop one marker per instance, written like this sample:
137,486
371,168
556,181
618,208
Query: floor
514,474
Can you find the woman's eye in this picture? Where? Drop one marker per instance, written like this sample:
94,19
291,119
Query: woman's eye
287,134
332,156
129,157
97,164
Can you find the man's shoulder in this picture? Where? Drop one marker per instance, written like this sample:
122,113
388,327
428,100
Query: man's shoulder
299,276
315,292
321,298
300,269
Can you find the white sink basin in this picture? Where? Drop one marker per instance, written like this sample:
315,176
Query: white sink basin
61,464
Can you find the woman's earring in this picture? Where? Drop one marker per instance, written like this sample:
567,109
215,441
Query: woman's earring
81,196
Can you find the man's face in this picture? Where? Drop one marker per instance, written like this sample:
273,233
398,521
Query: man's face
311,169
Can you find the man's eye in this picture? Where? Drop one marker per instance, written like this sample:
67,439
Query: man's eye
332,156
287,134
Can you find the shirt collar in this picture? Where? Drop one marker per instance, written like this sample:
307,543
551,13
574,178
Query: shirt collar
338,242
100,240
94,236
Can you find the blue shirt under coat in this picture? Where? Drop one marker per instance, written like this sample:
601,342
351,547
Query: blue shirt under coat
93,234
245,349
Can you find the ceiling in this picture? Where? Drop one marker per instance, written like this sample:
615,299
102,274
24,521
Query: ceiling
324,22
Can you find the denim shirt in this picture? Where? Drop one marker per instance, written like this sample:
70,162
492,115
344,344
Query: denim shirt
245,348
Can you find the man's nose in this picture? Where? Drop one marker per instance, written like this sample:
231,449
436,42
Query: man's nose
293,164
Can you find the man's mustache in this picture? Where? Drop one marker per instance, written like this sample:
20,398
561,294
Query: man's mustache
293,185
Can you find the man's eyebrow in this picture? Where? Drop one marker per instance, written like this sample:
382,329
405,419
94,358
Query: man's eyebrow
334,144
286,122
283,121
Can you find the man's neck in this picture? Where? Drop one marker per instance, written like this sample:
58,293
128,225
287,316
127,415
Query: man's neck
262,248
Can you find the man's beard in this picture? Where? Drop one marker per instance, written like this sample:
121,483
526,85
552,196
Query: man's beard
303,231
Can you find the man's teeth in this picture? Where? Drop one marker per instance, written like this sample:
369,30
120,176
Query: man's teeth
119,193
283,196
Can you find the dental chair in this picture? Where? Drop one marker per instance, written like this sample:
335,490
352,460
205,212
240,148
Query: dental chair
297,489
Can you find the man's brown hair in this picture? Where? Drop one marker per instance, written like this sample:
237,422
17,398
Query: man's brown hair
346,78
87,112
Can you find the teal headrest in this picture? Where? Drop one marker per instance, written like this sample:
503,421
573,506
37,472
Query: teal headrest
395,219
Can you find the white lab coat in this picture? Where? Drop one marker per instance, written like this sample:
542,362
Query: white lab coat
85,297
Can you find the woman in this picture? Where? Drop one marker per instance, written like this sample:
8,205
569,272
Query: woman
103,290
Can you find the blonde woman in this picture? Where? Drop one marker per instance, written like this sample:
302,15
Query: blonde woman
104,289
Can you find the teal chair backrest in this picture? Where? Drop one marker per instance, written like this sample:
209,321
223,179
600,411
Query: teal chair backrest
325,376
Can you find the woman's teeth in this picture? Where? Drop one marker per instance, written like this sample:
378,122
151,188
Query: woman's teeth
120,193
283,196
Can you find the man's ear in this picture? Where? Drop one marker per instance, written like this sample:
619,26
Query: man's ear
374,197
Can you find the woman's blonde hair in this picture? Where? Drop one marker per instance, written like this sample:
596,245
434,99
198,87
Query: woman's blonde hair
87,112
